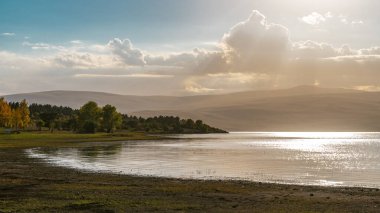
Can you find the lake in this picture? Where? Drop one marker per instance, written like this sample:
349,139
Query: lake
310,158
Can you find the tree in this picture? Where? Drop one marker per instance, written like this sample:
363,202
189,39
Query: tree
48,119
24,113
190,124
53,117
39,124
111,118
16,119
89,117
5,113
89,127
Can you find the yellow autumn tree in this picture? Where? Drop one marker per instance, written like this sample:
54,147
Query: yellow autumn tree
24,113
16,119
5,113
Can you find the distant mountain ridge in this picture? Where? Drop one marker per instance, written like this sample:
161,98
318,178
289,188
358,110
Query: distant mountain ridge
303,108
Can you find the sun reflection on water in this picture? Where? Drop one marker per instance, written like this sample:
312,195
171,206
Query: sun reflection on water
317,158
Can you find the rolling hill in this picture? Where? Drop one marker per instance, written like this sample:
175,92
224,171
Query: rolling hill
304,108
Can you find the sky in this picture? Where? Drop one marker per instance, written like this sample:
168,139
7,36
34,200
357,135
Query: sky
188,47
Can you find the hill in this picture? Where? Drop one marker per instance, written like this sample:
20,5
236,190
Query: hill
304,108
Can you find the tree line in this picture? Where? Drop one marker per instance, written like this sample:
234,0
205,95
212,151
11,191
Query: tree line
91,118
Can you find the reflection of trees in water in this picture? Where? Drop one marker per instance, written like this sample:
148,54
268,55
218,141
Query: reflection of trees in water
100,151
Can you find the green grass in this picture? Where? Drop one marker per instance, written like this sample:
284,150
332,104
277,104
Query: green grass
59,139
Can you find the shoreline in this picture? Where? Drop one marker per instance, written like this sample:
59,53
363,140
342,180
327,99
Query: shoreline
232,179
31,185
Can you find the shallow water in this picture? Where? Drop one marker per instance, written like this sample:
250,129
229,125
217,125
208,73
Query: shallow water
346,159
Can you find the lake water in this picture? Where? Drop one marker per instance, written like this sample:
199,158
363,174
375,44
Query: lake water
337,159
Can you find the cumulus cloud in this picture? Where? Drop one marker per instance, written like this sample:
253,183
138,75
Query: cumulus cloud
255,45
125,51
252,54
263,56
315,18
255,36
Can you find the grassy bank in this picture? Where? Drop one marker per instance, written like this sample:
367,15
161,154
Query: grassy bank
59,139
29,185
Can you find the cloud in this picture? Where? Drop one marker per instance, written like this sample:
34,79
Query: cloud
329,15
315,18
253,54
370,51
225,82
343,19
255,45
79,60
368,88
180,59
134,75
312,49
42,46
357,22
255,35
8,34
195,88
125,51
21,71
12,62
256,54
260,55
198,61
76,42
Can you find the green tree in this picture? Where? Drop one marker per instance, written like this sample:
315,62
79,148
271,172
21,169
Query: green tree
89,117
190,124
39,124
48,119
111,119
